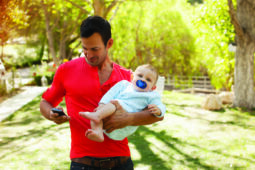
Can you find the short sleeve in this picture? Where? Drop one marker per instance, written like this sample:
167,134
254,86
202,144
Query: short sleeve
54,95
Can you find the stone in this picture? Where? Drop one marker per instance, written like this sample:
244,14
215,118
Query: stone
212,102
227,97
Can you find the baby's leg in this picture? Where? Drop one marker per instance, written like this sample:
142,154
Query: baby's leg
96,133
101,113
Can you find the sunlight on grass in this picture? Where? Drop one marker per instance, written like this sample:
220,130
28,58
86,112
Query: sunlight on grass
188,138
28,141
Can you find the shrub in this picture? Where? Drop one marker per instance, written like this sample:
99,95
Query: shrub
47,70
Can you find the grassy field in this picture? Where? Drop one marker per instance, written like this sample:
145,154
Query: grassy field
188,138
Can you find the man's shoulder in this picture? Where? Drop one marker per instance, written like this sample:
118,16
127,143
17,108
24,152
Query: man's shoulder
123,71
74,63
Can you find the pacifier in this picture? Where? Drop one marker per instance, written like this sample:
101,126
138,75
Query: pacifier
141,84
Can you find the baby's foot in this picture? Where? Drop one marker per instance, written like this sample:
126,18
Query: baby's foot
90,115
95,135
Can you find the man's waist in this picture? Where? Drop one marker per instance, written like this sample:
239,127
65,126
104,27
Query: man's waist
82,146
107,162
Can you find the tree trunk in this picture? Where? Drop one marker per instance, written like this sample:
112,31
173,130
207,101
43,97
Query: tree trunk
99,7
49,33
2,54
243,20
62,50
244,75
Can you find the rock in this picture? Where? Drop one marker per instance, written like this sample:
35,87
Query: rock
227,97
212,102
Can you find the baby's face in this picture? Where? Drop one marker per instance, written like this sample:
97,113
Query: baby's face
144,76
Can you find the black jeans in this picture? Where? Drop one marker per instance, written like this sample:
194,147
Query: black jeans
127,166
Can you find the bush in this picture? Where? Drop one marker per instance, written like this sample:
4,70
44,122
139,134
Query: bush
20,56
37,80
47,70
2,88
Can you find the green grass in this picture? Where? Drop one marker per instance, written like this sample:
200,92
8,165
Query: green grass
188,138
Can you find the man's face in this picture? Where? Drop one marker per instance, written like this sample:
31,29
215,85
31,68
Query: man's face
145,75
94,49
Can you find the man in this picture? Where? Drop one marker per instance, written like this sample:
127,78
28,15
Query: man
83,82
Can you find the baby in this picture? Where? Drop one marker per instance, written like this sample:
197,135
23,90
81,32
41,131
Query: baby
133,96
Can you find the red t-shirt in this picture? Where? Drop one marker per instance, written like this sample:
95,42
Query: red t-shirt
79,83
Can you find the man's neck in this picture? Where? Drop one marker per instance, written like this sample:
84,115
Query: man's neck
106,65
105,70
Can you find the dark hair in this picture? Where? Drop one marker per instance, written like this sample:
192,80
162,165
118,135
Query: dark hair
96,24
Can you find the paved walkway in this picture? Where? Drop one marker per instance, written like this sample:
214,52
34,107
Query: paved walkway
14,103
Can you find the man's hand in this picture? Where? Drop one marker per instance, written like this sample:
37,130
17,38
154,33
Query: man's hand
117,120
59,119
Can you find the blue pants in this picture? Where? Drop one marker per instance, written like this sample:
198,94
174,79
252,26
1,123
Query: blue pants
77,166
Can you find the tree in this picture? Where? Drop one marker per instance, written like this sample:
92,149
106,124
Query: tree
214,32
61,24
243,19
61,21
5,20
157,33
11,19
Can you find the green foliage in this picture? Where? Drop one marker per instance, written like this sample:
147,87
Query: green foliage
11,18
2,88
176,37
21,56
214,33
195,1
47,70
154,32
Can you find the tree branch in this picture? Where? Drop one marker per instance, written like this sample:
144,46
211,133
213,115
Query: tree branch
88,2
108,9
234,21
75,23
115,12
78,6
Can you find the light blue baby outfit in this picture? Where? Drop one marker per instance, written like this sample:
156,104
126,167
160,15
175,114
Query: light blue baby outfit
132,101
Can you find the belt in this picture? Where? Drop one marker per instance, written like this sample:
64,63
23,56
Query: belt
107,163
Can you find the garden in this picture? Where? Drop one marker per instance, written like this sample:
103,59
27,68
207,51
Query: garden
188,138
186,40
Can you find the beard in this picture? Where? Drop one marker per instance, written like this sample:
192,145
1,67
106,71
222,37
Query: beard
96,60
93,61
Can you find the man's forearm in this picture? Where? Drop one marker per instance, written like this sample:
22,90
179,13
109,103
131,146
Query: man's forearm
142,118
122,119
45,108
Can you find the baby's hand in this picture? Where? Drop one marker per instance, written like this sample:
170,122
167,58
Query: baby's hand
154,109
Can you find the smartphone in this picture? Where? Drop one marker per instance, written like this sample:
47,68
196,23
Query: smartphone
58,111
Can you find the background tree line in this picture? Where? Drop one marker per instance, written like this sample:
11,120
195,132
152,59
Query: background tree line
176,37
186,37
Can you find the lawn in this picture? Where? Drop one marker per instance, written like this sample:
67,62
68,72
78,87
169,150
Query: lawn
188,138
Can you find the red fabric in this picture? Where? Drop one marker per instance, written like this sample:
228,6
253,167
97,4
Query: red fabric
79,83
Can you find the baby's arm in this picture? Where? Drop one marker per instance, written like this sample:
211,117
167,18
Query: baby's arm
153,108
158,108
